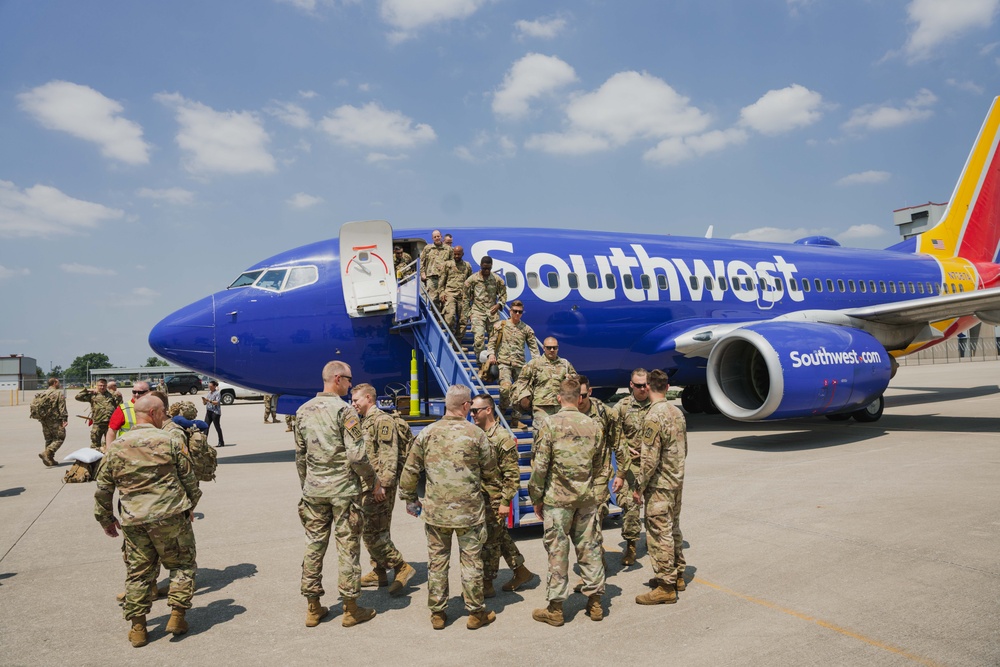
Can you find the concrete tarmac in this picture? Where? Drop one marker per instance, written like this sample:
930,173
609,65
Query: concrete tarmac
810,542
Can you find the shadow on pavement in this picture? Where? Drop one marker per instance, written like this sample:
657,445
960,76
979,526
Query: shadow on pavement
6,575
204,618
280,456
14,491
210,580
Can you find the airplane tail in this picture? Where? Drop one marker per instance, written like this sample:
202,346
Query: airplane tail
970,227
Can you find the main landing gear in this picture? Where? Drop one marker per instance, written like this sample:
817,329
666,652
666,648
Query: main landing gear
866,415
695,398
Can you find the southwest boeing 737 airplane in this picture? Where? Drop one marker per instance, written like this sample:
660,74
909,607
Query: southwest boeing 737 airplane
757,331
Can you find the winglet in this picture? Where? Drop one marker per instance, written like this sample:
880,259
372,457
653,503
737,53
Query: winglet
970,227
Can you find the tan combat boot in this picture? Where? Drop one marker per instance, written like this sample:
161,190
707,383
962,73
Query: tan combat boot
488,590
681,584
47,459
594,608
438,619
353,614
553,615
404,573
662,594
522,575
376,578
177,625
137,635
315,613
628,558
478,619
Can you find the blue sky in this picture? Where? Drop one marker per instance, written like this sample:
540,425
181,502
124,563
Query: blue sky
151,151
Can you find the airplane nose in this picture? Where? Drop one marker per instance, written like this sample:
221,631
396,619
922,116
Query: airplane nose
187,337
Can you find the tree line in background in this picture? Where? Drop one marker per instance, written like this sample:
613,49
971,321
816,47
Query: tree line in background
78,371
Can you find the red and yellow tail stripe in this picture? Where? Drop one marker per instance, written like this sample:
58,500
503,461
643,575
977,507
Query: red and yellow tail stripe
970,227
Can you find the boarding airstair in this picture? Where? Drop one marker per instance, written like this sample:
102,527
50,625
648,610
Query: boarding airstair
451,361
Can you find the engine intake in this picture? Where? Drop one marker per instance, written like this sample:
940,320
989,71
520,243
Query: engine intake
782,370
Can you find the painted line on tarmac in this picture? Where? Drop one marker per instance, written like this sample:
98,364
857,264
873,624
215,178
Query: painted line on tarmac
820,622
6,553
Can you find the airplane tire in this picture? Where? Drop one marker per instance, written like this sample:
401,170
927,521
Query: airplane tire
690,400
839,417
871,412
707,404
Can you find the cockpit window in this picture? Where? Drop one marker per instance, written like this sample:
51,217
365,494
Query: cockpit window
247,278
300,276
272,279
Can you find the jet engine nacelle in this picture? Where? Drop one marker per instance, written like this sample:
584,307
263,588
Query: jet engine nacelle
781,370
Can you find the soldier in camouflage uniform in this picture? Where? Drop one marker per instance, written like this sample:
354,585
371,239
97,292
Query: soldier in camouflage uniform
498,497
485,294
330,458
432,259
453,276
271,408
506,349
382,449
54,417
157,495
102,404
567,465
289,423
113,390
659,484
631,414
401,262
458,460
607,419
539,383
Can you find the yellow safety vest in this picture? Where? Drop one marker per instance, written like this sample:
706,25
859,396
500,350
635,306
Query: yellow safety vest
128,411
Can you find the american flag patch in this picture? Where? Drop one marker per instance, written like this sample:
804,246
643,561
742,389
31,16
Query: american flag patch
937,243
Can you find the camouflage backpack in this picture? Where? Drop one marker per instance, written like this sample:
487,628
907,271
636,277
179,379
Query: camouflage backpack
405,438
80,473
203,457
43,406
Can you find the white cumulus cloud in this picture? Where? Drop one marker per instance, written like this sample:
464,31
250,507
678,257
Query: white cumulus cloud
776,234
44,211
966,86
290,113
874,117
784,110
6,273
531,77
628,106
178,196
223,142
408,16
87,114
865,178
87,270
543,28
301,200
858,232
938,21
485,147
371,126
678,149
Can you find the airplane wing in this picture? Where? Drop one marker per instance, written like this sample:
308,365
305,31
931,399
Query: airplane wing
895,324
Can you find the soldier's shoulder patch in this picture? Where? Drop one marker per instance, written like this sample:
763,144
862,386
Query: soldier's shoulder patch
351,420
384,432
509,444
649,432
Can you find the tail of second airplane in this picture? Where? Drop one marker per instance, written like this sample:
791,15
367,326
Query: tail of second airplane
970,227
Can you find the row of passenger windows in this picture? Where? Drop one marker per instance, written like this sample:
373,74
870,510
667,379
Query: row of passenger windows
723,283
278,280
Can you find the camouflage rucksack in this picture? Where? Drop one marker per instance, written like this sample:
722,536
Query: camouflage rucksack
405,438
80,473
43,406
203,457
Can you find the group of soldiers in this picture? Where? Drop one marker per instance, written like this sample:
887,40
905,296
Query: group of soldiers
350,459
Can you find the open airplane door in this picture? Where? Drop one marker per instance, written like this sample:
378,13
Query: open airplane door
368,277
